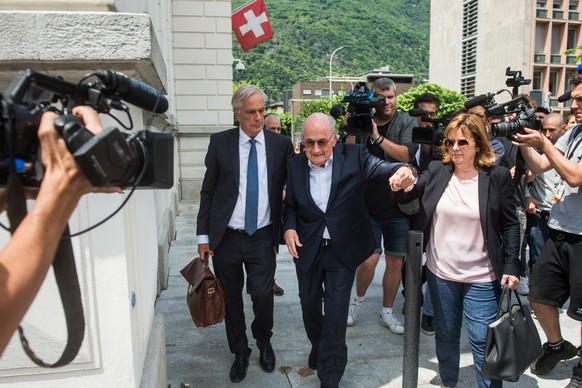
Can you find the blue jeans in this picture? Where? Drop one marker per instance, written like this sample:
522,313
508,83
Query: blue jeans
537,233
478,302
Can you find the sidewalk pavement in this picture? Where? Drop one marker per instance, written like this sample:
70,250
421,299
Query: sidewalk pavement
199,357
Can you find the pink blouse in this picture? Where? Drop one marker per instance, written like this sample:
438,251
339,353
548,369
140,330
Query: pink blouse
456,250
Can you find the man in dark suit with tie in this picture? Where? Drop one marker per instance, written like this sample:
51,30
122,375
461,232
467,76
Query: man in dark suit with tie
239,222
328,232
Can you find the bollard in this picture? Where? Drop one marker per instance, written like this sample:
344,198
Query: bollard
412,314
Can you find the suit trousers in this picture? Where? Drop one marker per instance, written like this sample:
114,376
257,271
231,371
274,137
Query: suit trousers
256,254
330,279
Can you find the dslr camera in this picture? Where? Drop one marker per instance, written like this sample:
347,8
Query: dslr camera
111,158
433,134
360,103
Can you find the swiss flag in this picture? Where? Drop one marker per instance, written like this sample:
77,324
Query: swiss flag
251,24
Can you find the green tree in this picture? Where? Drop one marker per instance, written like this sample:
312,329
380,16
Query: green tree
451,101
322,105
574,51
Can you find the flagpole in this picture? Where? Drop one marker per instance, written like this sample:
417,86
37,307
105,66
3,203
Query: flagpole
241,7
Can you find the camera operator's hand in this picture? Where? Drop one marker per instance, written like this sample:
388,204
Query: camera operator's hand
375,135
531,138
62,173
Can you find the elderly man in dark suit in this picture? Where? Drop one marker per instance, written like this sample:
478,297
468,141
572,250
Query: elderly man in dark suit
239,222
328,232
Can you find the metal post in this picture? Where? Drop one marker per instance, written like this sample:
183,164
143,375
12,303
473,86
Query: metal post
330,59
412,314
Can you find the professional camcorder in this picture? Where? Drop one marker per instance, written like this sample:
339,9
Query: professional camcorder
519,108
360,103
435,133
111,158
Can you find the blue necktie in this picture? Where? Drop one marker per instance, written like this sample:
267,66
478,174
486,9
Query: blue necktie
252,204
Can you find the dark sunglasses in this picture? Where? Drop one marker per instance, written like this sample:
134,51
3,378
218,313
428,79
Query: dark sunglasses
450,143
320,143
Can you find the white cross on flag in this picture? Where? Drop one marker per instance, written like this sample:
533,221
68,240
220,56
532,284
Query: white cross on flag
251,24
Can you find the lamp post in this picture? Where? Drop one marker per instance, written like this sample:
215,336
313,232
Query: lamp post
330,59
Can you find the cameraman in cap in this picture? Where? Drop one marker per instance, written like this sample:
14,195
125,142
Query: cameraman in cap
390,140
26,258
557,274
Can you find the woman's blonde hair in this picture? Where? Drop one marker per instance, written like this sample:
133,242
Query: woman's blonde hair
471,126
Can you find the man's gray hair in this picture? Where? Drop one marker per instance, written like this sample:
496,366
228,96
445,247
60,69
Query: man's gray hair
244,92
383,84
271,114
330,121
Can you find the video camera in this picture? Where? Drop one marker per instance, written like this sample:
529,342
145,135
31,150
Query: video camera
435,133
111,158
360,103
524,113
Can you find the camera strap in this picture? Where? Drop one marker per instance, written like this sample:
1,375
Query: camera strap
65,273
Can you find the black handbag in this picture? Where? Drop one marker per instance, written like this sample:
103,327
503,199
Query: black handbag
513,341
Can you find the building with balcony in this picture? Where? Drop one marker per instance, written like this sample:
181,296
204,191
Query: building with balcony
471,51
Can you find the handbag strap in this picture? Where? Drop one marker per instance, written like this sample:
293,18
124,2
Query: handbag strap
506,294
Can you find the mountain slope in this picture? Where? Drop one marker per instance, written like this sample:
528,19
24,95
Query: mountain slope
306,32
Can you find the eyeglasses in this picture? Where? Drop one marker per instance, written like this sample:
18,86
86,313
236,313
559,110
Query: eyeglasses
462,143
274,129
321,143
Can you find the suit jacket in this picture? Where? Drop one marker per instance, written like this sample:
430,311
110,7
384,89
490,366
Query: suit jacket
346,216
220,186
497,210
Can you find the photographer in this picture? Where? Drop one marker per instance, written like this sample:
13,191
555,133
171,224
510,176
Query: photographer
26,258
557,274
426,153
390,140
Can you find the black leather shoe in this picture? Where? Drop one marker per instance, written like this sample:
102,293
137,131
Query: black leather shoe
266,356
312,361
278,291
238,370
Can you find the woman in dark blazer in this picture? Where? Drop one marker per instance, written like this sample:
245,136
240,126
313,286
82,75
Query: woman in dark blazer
471,237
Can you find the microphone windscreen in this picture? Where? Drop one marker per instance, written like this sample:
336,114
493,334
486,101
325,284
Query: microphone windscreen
565,97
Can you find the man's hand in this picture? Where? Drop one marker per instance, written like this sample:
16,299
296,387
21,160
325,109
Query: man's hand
531,138
531,205
403,178
204,252
375,134
292,241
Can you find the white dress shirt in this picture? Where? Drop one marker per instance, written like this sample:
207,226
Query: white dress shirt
320,186
237,220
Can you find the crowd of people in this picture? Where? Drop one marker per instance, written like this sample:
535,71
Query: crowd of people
337,205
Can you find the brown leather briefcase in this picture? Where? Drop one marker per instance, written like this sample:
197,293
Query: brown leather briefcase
205,297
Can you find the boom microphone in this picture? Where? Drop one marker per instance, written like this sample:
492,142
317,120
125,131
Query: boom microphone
133,91
479,100
565,97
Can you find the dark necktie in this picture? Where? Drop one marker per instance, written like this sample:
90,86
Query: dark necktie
252,204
